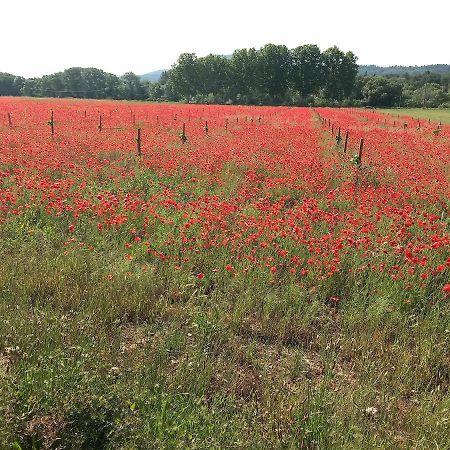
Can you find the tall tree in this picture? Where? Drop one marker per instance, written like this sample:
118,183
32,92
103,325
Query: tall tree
274,64
340,70
10,84
184,76
307,69
130,87
214,75
244,72
381,91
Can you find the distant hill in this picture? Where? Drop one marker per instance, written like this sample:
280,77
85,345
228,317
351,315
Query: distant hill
401,70
153,77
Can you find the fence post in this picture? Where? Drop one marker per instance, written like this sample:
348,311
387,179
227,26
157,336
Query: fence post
206,127
52,123
9,120
138,141
346,142
100,123
183,134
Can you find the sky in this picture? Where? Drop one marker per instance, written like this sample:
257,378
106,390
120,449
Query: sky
45,36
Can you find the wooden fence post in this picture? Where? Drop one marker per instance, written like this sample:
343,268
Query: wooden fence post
183,134
346,142
52,123
100,123
9,120
138,141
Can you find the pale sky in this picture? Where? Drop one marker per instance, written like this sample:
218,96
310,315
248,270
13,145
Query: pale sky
39,37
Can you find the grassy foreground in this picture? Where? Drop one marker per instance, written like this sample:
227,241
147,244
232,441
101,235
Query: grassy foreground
435,115
156,361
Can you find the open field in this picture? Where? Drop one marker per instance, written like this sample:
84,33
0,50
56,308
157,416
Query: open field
436,115
253,287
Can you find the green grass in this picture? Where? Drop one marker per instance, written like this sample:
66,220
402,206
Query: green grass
159,361
436,115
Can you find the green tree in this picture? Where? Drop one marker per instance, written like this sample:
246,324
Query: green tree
307,70
382,91
74,82
130,87
274,67
10,84
430,95
244,73
213,75
340,70
184,76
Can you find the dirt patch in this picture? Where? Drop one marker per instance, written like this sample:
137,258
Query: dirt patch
46,429
133,338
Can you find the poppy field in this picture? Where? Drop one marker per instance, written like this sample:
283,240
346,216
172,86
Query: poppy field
196,276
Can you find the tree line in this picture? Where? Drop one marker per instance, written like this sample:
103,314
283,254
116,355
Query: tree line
77,82
271,75
424,90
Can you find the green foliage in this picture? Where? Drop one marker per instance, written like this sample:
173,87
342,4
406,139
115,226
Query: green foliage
380,91
10,84
430,95
184,76
423,90
130,87
307,69
274,64
77,82
271,75
340,71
